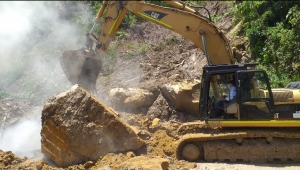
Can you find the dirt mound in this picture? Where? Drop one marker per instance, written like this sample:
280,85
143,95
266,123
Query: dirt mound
77,127
8,161
129,161
160,145
160,150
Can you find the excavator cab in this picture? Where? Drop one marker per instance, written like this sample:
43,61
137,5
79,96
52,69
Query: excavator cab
253,100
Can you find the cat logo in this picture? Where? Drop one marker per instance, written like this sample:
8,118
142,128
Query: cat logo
154,15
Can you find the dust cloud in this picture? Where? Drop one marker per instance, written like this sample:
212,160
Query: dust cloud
23,138
33,36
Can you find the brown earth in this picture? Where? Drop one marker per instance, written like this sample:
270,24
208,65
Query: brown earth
148,57
76,127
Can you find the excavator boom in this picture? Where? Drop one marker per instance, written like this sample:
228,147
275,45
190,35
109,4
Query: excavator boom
83,66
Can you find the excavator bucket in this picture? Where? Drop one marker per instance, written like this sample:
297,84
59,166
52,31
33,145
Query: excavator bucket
82,67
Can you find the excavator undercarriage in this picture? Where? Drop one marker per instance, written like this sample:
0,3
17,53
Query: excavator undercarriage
255,145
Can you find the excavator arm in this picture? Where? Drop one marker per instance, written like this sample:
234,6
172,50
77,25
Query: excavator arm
182,19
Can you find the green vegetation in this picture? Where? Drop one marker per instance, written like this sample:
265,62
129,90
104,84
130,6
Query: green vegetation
216,17
129,46
143,48
2,94
272,30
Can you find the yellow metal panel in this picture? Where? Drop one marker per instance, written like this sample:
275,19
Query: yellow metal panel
117,22
164,24
255,123
113,25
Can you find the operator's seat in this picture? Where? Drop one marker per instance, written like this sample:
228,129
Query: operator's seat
231,108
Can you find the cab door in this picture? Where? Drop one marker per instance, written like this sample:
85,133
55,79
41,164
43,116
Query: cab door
213,87
255,96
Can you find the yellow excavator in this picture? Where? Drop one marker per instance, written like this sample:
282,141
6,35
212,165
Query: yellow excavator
260,125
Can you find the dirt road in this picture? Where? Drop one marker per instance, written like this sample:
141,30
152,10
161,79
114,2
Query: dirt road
224,166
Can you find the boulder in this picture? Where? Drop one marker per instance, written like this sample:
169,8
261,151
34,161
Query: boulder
132,98
184,96
76,128
160,109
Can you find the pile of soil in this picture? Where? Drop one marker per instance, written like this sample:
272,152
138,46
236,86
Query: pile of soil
160,144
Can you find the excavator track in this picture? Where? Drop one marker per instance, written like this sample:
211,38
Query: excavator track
240,144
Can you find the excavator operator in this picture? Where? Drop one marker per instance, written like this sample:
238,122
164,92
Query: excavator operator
219,111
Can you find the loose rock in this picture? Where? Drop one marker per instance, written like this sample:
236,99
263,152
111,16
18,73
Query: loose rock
76,127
